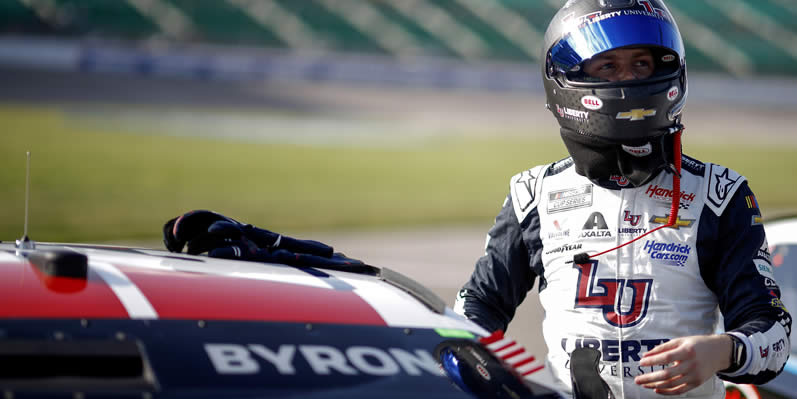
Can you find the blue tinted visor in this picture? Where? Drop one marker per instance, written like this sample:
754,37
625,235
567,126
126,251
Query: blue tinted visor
584,42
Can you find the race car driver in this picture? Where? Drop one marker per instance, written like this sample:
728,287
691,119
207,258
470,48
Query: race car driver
635,246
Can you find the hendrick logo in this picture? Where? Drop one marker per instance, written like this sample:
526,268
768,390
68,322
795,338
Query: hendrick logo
661,193
668,253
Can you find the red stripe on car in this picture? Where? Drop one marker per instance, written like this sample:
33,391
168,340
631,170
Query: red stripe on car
29,293
183,295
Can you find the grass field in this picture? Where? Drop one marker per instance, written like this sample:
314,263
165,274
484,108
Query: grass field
99,184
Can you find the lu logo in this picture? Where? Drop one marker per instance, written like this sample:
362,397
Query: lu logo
607,294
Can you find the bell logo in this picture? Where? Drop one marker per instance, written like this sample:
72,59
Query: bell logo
638,151
592,102
673,93
636,114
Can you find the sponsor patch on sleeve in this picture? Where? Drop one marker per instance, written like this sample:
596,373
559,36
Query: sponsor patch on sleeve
764,268
722,183
752,204
524,188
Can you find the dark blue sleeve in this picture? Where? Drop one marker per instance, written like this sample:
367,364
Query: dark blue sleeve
503,275
735,265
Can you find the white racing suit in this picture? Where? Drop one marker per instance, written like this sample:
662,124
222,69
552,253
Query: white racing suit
668,284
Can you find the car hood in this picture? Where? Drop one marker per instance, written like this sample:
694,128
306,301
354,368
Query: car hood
117,321
139,283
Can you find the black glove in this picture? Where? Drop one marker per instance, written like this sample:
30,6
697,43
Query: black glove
222,237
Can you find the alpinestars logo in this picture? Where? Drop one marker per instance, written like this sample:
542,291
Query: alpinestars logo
723,185
624,302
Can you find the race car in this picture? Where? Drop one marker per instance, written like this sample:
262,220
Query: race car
85,321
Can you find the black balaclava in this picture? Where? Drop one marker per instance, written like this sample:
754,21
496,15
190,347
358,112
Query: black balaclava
638,161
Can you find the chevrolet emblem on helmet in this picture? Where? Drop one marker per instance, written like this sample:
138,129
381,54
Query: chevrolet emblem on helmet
636,114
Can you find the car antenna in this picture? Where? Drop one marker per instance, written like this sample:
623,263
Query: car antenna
25,242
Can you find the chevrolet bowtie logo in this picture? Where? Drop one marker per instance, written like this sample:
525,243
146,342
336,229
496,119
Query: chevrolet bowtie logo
678,222
636,114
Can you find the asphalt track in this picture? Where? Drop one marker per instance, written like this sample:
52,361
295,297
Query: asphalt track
441,258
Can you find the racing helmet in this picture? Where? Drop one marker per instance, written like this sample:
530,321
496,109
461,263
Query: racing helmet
615,127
